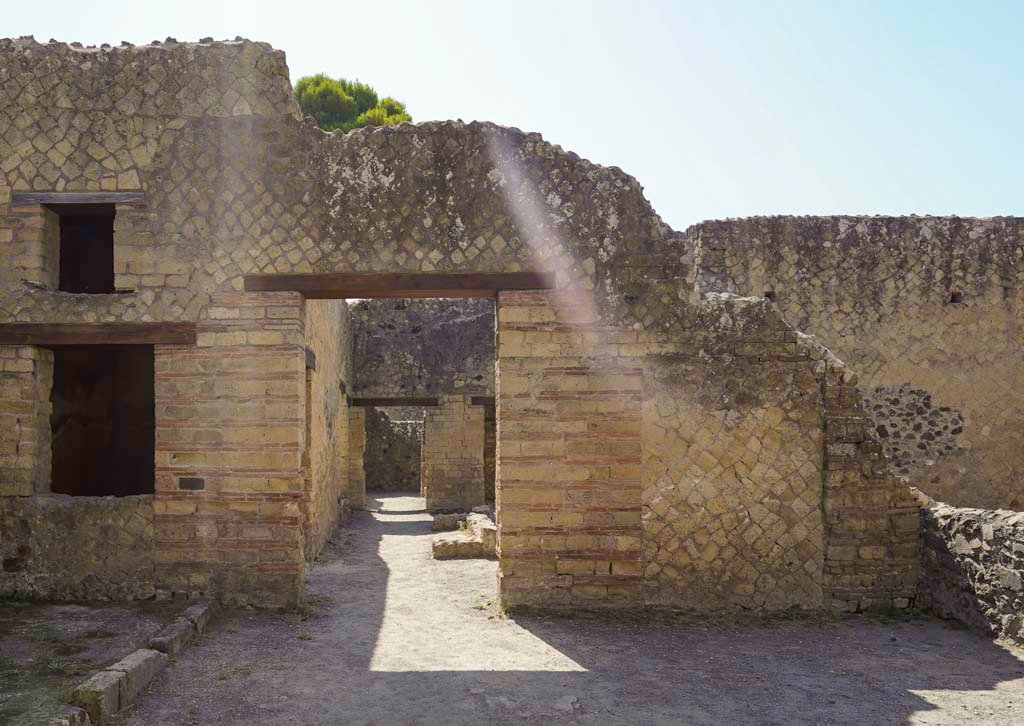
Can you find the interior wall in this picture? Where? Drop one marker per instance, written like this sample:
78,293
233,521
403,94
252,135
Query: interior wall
393,450
328,335
452,462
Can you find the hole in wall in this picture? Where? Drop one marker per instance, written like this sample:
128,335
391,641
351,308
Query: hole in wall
956,296
769,295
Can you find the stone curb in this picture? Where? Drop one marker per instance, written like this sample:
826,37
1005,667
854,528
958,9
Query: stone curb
70,716
119,685
174,637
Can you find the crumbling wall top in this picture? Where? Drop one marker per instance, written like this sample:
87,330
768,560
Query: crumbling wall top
168,78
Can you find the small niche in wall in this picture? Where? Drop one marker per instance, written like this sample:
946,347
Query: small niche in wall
769,295
956,297
86,247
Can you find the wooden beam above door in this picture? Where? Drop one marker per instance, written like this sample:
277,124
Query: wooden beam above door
333,285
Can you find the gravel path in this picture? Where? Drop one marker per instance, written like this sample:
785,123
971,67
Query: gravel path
393,637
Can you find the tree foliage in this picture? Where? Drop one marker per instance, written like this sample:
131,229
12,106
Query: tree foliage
340,104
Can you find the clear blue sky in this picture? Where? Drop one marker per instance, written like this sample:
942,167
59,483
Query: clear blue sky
720,109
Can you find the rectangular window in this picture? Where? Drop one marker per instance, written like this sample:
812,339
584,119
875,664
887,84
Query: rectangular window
86,247
103,420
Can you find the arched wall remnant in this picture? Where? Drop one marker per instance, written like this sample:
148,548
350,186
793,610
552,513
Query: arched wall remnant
921,307
650,445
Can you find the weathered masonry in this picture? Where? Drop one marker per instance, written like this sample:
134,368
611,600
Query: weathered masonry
664,434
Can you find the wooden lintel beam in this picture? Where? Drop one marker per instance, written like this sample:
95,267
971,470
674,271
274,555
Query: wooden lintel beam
132,198
333,285
393,401
56,334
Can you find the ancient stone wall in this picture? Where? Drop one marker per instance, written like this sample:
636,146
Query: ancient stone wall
423,347
690,470
328,337
230,485
930,313
973,568
393,451
209,133
233,182
732,480
57,547
568,496
871,532
452,463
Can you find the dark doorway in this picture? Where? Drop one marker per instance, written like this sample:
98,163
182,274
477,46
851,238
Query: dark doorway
86,247
103,420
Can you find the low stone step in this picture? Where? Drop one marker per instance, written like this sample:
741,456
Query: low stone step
455,545
477,538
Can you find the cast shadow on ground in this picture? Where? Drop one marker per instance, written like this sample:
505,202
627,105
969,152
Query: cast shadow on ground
263,668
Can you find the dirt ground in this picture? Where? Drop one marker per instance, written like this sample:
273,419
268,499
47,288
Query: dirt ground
395,637
47,649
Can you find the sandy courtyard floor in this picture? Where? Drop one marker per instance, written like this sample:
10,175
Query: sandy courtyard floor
394,637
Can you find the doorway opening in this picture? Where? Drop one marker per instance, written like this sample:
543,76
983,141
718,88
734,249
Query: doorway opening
103,420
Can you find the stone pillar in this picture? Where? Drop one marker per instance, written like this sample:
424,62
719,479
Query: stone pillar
26,378
568,492
452,463
229,436
356,492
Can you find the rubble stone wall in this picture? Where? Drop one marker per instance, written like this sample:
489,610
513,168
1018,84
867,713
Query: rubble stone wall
930,313
973,568
452,464
423,347
57,547
393,452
